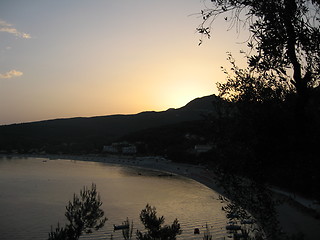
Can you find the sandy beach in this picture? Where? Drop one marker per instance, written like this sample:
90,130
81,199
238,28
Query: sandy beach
295,214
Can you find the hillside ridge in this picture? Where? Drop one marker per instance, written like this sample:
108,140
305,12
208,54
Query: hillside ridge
98,129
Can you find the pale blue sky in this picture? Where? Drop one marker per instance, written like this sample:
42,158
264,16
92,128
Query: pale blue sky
73,58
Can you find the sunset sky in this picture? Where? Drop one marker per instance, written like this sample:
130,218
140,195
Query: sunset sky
82,58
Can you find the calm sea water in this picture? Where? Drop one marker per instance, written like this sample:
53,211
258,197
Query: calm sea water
34,193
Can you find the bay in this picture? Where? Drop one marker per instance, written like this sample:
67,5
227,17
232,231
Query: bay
35,191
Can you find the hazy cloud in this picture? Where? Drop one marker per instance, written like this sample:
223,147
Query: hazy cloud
11,74
7,27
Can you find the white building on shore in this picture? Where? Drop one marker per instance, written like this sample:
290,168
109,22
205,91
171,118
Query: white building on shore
120,148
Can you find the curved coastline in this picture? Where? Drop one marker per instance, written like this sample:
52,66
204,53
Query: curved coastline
198,173
293,219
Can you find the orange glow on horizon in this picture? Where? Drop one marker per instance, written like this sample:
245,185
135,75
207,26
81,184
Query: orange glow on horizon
82,59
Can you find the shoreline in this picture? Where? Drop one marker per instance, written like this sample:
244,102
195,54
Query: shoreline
196,172
293,216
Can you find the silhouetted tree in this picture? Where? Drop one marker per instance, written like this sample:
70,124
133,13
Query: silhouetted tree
127,232
84,215
59,233
153,225
250,86
284,57
285,38
244,197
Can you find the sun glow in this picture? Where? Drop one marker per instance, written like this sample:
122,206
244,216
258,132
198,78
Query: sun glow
185,82
82,64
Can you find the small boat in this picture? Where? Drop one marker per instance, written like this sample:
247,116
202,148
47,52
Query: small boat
120,227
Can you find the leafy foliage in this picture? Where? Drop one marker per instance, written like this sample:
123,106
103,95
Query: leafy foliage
84,215
153,225
127,232
249,85
58,233
285,37
244,197
274,127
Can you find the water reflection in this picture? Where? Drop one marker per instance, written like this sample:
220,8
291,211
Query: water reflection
34,194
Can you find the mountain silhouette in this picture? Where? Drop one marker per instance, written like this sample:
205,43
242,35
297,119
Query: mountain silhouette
101,128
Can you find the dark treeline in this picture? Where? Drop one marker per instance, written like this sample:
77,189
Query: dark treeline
265,143
273,138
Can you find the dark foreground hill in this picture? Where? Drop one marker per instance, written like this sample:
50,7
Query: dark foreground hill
86,134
